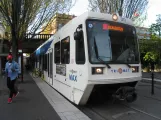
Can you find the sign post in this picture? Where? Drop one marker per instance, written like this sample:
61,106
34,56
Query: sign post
152,75
20,61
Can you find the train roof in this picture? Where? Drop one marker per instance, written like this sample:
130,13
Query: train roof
103,16
84,17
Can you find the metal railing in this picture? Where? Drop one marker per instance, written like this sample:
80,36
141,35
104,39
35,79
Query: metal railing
38,36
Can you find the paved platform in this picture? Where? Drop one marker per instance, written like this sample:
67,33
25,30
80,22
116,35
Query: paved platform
62,106
30,104
146,77
157,75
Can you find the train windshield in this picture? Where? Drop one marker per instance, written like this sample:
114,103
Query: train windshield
111,42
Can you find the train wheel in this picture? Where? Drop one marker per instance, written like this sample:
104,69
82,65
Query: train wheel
131,98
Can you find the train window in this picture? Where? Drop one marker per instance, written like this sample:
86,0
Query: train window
43,58
65,51
57,52
48,63
36,61
45,62
40,61
80,54
51,64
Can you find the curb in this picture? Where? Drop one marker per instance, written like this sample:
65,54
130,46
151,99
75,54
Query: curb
149,80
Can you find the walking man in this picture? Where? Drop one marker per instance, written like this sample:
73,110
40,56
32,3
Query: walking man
11,70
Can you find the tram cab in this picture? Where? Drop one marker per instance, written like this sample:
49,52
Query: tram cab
93,52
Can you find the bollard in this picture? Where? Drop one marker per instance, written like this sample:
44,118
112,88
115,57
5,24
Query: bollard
152,87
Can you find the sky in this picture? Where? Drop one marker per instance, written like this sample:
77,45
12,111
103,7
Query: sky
154,8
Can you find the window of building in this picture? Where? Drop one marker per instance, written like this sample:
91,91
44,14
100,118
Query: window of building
60,25
65,50
80,53
57,52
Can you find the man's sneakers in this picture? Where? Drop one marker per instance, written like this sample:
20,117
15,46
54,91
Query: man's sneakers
15,95
9,100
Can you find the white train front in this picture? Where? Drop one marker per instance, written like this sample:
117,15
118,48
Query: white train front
92,52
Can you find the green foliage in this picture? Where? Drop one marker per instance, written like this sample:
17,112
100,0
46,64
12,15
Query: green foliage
155,28
150,50
155,37
150,56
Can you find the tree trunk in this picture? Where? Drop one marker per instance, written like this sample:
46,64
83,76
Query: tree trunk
14,29
14,46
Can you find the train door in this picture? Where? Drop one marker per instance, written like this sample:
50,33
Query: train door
62,57
48,66
65,58
57,61
50,75
45,63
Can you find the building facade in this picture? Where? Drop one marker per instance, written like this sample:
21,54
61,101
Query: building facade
4,47
58,21
143,33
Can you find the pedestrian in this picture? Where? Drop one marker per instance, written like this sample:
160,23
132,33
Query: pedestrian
11,70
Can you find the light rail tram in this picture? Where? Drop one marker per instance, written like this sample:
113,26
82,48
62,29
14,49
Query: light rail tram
92,53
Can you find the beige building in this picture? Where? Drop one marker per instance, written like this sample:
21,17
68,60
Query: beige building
58,21
143,33
2,31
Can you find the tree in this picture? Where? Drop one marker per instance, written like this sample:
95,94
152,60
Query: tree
133,9
27,16
155,28
150,50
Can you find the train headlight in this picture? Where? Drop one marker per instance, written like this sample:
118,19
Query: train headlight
97,70
114,17
135,69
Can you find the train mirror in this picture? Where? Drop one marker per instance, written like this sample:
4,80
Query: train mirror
78,34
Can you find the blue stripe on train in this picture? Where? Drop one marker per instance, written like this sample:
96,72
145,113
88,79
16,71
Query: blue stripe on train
44,48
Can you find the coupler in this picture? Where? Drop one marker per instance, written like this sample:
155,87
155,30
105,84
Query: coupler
125,93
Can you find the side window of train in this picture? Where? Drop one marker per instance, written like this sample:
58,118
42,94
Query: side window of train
57,52
65,51
45,62
48,63
45,65
80,53
36,61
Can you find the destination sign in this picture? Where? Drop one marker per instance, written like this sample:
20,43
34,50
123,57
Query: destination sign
112,27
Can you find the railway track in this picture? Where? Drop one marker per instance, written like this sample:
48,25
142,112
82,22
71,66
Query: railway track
125,111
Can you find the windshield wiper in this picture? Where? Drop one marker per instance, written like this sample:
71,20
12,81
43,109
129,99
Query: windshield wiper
123,63
128,65
97,56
